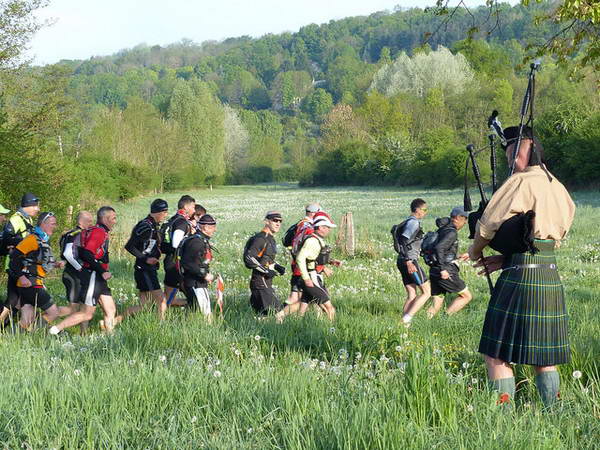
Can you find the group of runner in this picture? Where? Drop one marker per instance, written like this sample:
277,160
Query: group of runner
183,240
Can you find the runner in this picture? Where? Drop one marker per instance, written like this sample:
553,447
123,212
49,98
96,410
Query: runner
18,227
300,230
172,233
69,244
199,211
195,256
95,274
407,241
259,255
30,262
144,244
444,272
312,259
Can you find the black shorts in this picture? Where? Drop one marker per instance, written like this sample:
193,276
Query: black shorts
317,294
72,284
264,301
172,278
452,285
12,293
419,277
92,287
36,296
146,280
296,283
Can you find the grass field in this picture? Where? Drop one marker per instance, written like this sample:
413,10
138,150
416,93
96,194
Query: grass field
361,382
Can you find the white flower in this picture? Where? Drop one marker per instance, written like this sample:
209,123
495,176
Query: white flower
249,431
257,338
343,353
401,366
236,352
162,358
577,374
332,330
398,348
77,372
217,374
358,356
68,345
470,408
474,381
585,390
466,365
404,336
437,352
194,419
322,364
191,361
131,362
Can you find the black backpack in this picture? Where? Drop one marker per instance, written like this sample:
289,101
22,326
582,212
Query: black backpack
247,248
165,236
288,238
3,246
396,230
428,247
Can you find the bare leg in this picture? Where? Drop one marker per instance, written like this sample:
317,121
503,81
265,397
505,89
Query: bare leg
438,302
329,310
110,310
303,309
52,313
27,317
3,315
411,294
85,314
459,302
418,302
497,369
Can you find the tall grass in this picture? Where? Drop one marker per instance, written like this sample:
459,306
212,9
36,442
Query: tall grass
361,382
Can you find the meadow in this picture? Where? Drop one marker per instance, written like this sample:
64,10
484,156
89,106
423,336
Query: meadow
363,381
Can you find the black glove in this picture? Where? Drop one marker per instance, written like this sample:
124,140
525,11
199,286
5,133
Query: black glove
279,268
270,274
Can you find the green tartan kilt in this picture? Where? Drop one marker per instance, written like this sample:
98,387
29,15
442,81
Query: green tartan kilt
526,321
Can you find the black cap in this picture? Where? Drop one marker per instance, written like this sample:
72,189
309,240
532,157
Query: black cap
159,205
511,134
29,200
207,219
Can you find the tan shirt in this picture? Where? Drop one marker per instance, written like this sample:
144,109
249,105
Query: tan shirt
530,190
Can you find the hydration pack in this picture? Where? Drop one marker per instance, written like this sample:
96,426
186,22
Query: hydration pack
288,237
428,247
245,256
165,234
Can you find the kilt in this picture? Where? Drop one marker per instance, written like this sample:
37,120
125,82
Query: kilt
526,319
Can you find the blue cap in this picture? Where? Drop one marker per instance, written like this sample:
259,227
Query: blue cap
458,211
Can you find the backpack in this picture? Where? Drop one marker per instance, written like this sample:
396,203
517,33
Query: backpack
76,243
3,246
428,248
247,248
178,252
288,237
398,229
165,236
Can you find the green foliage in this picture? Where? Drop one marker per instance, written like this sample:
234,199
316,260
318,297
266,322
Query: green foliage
318,104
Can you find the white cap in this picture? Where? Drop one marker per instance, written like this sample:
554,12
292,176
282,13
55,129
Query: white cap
322,219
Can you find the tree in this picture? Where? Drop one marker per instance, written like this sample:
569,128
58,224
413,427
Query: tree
17,27
317,104
437,69
289,89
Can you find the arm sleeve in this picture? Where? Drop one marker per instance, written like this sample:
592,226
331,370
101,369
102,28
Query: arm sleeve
309,251
178,236
70,256
252,257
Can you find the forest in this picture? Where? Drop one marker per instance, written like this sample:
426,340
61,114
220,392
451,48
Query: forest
358,101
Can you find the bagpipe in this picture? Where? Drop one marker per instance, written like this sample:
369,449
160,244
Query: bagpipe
515,235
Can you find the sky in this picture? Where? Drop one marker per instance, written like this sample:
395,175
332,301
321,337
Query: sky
85,28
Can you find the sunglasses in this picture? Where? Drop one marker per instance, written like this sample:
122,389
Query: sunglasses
47,216
276,220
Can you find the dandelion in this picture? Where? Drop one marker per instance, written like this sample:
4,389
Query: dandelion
437,352
322,364
236,352
577,374
332,330
398,348
404,335
249,431
162,358
217,374
68,346
194,419
401,366
77,372
131,362
466,365
585,390
343,353
191,361
474,381
257,338
470,408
